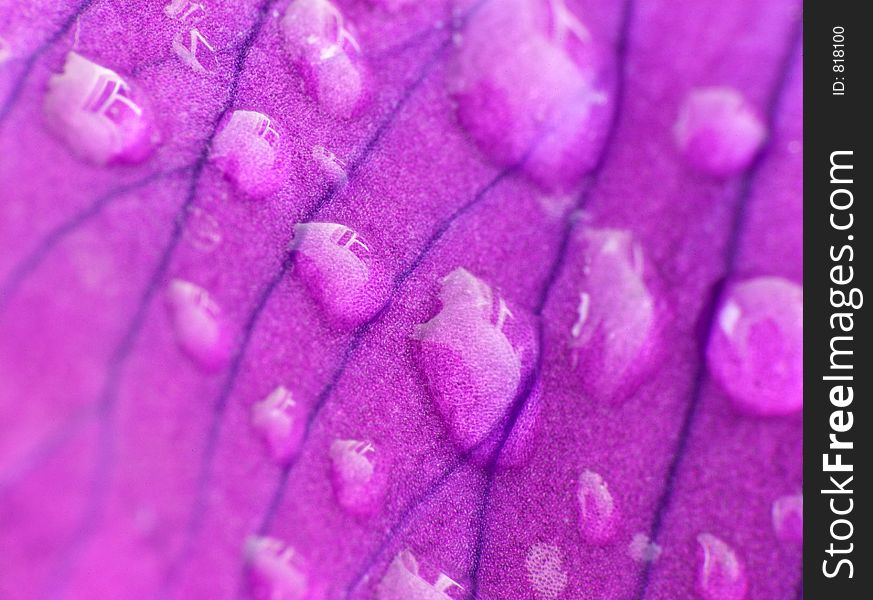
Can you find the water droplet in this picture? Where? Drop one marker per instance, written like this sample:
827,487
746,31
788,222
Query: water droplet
199,325
97,115
404,581
330,165
614,337
477,355
721,575
787,514
598,515
530,85
756,348
276,571
323,45
278,420
190,43
202,231
247,150
643,549
545,570
360,475
718,132
340,272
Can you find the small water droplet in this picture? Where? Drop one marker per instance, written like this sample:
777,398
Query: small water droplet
477,356
324,46
598,515
614,337
404,581
97,115
340,272
718,131
279,422
330,165
190,42
721,574
756,349
359,475
545,570
247,149
529,84
276,571
642,549
202,231
787,515
199,325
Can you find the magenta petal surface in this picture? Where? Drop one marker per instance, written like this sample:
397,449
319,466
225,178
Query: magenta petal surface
398,300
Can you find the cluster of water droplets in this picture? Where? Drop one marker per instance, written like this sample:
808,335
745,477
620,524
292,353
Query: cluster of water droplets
538,94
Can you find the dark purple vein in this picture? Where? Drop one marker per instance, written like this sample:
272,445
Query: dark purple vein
27,265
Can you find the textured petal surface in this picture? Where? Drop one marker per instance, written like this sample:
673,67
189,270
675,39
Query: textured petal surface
322,299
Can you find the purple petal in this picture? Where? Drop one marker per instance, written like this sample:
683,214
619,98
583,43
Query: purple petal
391,299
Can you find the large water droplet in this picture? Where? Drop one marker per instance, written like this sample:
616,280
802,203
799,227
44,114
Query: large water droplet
359,475
477,355
718,132
756,347
721,575
614,337
276,571
324,47
199,325
598,515
404,581
339,271
787,515
247,150
545,570
279,422
530,85
97,115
